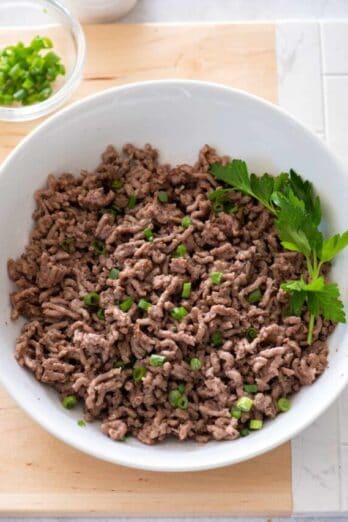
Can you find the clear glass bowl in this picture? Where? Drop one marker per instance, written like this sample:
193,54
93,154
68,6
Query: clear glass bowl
22,20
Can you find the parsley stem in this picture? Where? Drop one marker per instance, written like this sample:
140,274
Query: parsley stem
310,329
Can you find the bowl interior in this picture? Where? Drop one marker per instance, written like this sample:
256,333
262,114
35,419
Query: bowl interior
178,117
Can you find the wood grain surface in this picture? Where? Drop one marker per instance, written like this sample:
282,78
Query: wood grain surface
40,475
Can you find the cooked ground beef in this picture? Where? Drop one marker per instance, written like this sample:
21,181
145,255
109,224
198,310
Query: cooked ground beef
91,351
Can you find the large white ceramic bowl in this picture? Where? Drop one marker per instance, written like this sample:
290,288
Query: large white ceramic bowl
178,117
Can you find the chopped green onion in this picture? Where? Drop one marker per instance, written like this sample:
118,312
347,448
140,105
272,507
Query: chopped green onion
162,196
216,277
244,404
180,251
186,222
139,373
218,207
255,296
113,210
91,299
174,397
255,424
236,413
99,247
251,334
132,201
114,273
25,74
183,402
157,360
216,339
244,432
67,245
117,184
195,364
69,402
119,364
283,404
144,305
81,423
100,314
178,313
126,304
186,290
250,388
148,234
181,387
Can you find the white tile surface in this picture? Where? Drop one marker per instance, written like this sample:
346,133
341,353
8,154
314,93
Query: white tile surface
335,47
315,460
299,72
343,401
344,471
336,88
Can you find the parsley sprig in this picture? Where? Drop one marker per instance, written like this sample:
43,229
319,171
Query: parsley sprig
297,217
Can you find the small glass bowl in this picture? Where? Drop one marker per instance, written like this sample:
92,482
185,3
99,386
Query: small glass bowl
22,20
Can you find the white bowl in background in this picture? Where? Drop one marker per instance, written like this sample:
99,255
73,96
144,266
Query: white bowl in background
99,11
178,117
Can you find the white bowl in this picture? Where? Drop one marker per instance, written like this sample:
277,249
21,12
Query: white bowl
178,117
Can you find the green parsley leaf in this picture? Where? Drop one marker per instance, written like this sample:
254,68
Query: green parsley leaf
261,188
332,246
303,190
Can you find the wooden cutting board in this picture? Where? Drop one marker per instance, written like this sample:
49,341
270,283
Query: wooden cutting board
40,475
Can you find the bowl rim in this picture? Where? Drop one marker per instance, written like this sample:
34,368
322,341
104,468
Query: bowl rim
156,465
37,110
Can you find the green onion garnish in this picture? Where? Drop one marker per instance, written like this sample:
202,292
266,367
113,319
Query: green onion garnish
99,247
236,413
117,184
162,196
69,402
251,334
138,373
174,397
216,277
100,314
283,404
157,360
178,313
216,339
244,432
181,387
244,404
148,235
255,424
113,210
126,304
180,251
144,305
132,201
81,423
114,273
183,402
186,221
255,296
195,364
91,299
67,245
26,73
250,388
186,290
218,207
119,364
